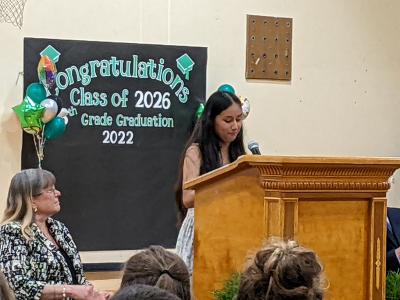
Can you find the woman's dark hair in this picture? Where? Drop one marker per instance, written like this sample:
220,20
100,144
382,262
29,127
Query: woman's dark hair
209,142
158,267
143,292
282,271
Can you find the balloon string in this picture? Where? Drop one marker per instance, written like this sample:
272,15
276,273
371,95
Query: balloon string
39,146
37,151
42,141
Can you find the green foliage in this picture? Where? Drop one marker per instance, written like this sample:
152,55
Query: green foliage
393,286
230,288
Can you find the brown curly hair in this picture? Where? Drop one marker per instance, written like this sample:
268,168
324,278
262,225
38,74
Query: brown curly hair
158,267
282,271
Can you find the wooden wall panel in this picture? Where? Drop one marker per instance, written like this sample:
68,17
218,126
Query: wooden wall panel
338,226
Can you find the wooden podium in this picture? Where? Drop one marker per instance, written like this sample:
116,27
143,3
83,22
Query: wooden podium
335,206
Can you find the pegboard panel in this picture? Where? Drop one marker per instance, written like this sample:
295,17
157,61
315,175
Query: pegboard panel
269,48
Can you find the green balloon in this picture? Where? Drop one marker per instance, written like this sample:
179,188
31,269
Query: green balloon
30,115
54,129
200,111
36,92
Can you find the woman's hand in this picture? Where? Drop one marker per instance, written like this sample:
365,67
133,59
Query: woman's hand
84,292
107,295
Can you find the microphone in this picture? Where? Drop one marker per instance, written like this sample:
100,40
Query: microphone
254,147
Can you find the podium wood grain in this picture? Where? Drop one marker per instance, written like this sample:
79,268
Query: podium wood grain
334,205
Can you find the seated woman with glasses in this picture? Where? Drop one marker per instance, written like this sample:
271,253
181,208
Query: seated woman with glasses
37,253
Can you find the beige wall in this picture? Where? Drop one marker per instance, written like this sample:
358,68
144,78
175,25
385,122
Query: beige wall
343,98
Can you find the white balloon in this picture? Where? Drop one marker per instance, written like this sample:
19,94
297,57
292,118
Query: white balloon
245,106
63,112
51,110
65,118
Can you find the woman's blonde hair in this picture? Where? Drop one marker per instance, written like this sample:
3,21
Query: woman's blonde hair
23,187
283,271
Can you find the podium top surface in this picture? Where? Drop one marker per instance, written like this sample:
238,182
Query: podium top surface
388,164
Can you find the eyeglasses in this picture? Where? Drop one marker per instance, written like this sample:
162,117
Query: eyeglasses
50,191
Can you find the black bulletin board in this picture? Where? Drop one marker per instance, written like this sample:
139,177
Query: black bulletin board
132,107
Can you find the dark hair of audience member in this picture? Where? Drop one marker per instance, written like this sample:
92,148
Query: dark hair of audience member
5,291
158,267
282,271
143,292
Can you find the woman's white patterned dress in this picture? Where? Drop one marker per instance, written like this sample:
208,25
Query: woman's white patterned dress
191,169
184,244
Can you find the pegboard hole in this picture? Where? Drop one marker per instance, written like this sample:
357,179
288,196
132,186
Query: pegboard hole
276,72
253,21
276,55
264,55
253,37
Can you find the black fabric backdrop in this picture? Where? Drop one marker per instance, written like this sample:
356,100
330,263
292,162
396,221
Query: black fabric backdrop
114,196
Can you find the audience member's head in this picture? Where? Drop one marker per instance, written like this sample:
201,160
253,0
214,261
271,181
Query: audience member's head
5,291
143,292
282,271
158,267
25,187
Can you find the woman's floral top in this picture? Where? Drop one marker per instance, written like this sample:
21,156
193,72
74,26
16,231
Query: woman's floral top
30,265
